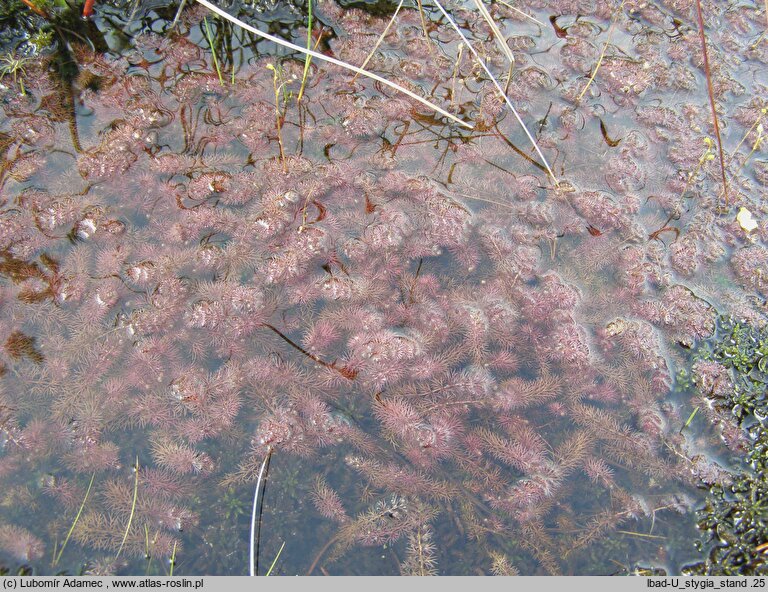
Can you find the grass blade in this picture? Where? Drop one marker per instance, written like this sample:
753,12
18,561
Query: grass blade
614,20
498,88
763,112
520,12
178,14
501,42
424,24
213,50
271,567
498,37
331,60
74,523
690,419
308,58
381,38
173,560
133,508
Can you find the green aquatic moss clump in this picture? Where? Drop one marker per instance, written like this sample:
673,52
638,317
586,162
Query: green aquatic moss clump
735,514
742,349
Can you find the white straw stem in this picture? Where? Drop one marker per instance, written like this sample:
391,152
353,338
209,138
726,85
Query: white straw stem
255,511
331,60
498,88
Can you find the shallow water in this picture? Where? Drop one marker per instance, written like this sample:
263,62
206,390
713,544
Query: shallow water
458,367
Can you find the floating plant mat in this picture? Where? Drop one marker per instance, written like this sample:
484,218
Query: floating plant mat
458,366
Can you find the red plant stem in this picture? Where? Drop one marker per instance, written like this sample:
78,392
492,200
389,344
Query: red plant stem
344,371
36,10
711,93
88,8
657,233
320,554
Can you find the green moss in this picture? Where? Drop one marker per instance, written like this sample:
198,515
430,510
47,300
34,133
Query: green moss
43,39
744,351
735,515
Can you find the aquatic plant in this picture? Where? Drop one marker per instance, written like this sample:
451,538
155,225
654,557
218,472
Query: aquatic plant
455,359
729,374
14,67
20,544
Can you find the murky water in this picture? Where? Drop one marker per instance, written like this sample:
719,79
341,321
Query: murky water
457,365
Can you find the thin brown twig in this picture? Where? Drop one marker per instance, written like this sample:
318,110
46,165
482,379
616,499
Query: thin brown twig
37,10
711,93
641,534
320,554
347,373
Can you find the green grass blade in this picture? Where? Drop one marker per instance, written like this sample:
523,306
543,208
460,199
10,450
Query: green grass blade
178,14
74,523
173,559
307,58
690,419
133,508
213,50
271,567
611,28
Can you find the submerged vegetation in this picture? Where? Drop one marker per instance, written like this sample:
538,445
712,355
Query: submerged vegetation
450,335
730,376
